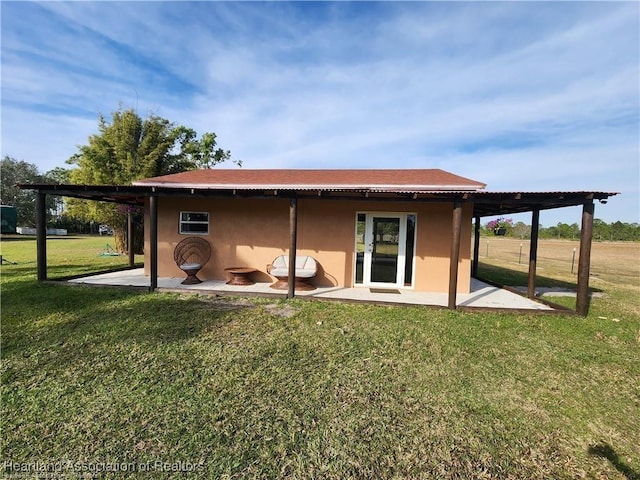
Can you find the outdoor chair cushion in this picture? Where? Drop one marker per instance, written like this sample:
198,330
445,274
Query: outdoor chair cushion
190,266
306,266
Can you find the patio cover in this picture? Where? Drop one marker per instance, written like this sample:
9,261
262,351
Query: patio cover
486,203
373,185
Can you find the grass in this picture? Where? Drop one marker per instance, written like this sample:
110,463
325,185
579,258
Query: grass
615,270
65,255
256,388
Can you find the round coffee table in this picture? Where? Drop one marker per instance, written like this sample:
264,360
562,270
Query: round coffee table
240,275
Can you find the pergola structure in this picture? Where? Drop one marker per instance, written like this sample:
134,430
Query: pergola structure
485,203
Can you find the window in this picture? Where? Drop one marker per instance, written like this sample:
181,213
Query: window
194,223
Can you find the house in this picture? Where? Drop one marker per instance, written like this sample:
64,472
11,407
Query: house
398,228
357,224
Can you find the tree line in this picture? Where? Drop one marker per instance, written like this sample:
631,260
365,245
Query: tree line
80,217
14,171
602,231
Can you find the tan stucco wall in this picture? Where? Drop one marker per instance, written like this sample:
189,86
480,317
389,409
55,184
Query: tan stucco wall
252,232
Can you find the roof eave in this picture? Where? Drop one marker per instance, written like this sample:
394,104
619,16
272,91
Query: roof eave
327,187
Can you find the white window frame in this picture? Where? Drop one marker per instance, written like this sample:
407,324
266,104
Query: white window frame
190,222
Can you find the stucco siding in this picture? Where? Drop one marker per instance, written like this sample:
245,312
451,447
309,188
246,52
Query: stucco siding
252,232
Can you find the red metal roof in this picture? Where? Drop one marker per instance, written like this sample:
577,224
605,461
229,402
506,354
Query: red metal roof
379,180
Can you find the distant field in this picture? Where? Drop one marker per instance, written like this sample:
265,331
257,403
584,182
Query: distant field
615,262
615,269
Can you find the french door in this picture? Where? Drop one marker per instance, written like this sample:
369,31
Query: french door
384,249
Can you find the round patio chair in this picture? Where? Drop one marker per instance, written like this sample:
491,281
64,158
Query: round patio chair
191,254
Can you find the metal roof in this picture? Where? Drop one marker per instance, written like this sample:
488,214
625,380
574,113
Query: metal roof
485,203
310,179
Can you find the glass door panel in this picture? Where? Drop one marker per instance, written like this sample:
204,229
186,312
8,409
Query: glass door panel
409,250
385,248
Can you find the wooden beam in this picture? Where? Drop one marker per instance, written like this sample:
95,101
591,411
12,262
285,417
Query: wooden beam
293,240
584,262
456,227
41,235
476,248
130,239
533,253
153,241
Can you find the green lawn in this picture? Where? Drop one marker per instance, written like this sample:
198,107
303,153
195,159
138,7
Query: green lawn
246,388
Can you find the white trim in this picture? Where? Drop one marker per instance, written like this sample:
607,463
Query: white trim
289,186
181,222
402,243
355,282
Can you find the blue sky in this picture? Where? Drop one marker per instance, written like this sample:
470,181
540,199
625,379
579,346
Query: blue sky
527,96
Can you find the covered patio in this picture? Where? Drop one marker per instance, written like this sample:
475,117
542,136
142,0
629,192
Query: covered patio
484,204
482,295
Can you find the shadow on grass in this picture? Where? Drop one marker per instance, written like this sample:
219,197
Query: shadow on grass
16,238
32,238
71,319
605,450
516,278
60,272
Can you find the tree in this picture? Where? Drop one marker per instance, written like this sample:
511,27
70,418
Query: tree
521,230
129,148
18,171
568,231
59,176
601,229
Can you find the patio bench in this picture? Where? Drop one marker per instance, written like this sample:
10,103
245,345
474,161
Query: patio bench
306,269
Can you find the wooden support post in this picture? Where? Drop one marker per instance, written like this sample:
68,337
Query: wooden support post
293,240
533,253
153,241
476,248
41,235
584,262
456,227
130,238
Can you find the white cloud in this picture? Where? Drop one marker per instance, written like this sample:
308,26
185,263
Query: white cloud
520,95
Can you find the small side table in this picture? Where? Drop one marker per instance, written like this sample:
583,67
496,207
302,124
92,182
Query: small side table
240,275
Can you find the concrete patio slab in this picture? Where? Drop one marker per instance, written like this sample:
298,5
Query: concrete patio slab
482,295
558,292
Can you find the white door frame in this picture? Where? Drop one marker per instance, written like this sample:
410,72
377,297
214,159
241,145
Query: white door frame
368,249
